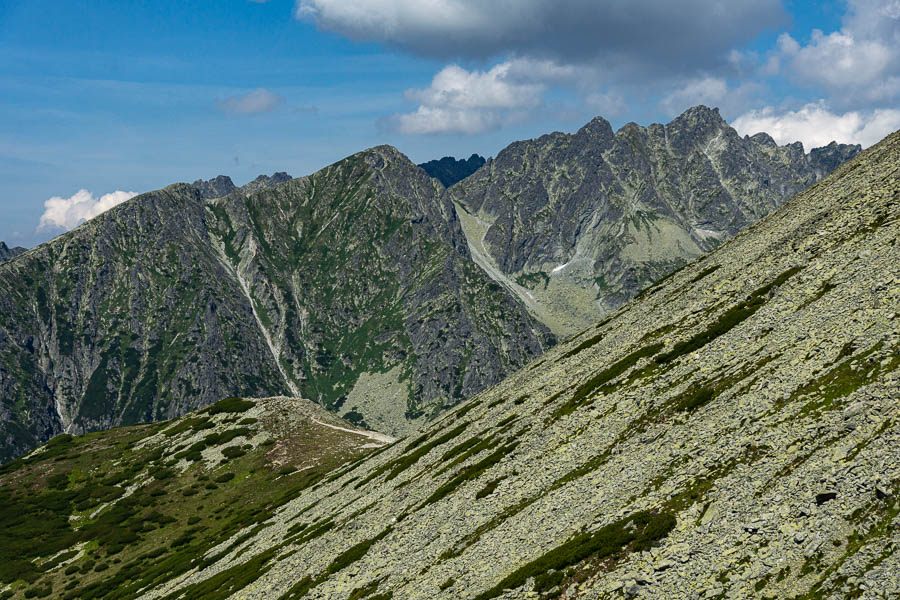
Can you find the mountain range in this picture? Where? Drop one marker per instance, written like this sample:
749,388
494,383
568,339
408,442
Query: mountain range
731,432
575,225
368,287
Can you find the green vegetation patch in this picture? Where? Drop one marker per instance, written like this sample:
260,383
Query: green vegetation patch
471,472
355,552
193,452
727,321
230,405
591,341
693,398
584,391
225,583
634,533
192,423
844,379
532,280
707,271
489,488
401,463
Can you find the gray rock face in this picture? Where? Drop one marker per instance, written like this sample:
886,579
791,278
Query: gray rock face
216,187
264,181
580,223
7,253
221,186
174,300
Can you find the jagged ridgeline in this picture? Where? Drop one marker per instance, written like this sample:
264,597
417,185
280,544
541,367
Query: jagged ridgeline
449,170
577,224
733,432
352,287
7,253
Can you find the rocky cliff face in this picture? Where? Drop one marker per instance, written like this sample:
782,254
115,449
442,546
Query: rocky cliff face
352,287
221,185
7,253
577,224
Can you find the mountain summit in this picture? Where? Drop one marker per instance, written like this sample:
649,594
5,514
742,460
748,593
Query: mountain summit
7,253
577,224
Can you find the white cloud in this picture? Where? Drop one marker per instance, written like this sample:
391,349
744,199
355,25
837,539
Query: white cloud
66,213
428,119
457,88
860,62
714,92
609,104
257,101
838,59
658,35
708,90
815,125
462,101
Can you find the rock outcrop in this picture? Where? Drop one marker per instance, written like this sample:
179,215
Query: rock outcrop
449,170
7,253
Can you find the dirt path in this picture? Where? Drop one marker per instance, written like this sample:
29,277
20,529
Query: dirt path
374,435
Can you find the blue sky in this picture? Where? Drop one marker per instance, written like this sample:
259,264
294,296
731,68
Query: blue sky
109,96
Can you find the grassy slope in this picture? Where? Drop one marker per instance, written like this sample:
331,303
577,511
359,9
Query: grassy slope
110,513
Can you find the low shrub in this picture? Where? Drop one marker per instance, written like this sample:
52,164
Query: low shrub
230,405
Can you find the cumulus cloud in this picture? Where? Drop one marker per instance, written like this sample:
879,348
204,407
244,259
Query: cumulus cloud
257,101
608,104
66,213
711,91
861,61
462,101
815,125
708,90
653,34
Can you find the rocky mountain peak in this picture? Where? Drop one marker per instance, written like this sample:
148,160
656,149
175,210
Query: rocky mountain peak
597,131
828,158
265,181
763,139
450,171
695,126
7,253
577,224
216,187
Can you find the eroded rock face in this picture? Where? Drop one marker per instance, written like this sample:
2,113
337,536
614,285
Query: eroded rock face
180,297
578,224
732,432
7,253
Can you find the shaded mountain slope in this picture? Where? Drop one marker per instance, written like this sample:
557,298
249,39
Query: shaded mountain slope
732,432
449,170
171,301
577,224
